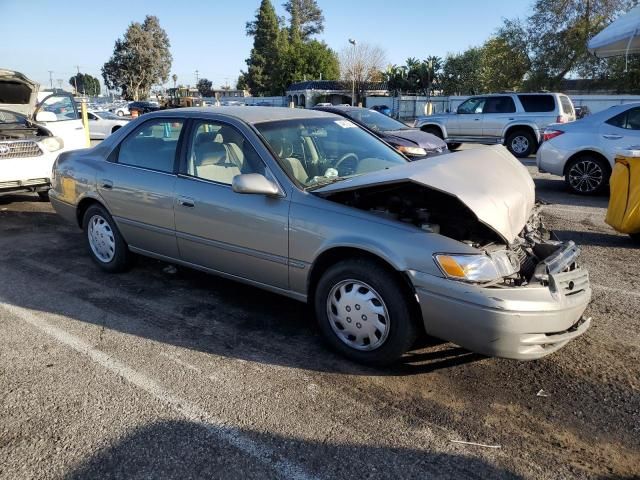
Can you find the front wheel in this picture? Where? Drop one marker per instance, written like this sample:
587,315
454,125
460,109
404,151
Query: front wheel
521,143
104,242
364,313
587,175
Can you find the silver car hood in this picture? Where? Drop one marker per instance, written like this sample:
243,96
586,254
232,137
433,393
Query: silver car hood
490,181
17,92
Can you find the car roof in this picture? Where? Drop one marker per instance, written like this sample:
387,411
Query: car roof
250,114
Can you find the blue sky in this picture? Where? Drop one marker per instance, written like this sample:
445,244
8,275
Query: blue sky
209,35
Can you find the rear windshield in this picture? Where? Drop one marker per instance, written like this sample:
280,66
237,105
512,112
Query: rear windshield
567,106
537,103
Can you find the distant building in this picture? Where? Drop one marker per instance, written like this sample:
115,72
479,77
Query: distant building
223,94
310,93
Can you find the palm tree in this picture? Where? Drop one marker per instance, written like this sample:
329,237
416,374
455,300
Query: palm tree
174,77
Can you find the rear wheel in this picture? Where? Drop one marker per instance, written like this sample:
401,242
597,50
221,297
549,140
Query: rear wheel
104,242
586,175
364,313
453,146
521,143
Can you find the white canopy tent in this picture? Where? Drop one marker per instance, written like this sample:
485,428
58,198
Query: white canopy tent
621,37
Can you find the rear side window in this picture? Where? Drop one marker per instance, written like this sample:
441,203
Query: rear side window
499,105
629,120
567,106
152,146
537,103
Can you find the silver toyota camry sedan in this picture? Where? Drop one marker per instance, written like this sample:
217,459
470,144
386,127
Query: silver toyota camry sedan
307,204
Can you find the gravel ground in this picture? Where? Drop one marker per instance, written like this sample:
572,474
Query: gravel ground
153,374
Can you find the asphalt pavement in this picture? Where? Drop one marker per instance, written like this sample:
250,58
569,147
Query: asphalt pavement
158,373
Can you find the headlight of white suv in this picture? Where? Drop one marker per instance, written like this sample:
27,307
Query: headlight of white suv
477,268
52,143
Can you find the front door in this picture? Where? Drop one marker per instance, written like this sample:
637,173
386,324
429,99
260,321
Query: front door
468,121
238,234
138,186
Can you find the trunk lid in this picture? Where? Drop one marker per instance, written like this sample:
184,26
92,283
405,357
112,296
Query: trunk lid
495,186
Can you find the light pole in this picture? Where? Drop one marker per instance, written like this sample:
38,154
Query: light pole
353,73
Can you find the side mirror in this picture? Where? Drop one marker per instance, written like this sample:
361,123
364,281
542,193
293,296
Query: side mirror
46,117
254,183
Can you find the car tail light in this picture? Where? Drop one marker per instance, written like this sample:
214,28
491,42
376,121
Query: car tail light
549,134
561,119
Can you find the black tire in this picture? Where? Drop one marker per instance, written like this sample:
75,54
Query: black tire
598,175
401,326
434,131
120,113
453,146
121,259
635,237
44,195
521,143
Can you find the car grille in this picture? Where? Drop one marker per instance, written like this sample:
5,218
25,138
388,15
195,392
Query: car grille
572,282
19,149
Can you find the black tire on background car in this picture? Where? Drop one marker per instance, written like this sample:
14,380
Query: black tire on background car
106,246
587,175
635,237
120,113
364,312
44,195
453,146
521,143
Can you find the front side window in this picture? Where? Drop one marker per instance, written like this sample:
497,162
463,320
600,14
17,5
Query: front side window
219,152
471,106
318,151
499,105
62,105
153,145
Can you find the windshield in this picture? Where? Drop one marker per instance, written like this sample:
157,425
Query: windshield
317,151
376,120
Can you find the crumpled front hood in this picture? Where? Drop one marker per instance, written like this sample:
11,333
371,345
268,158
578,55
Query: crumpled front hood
420,138
495,186
17,92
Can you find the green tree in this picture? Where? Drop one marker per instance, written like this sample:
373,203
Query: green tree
141,58
263,60
461,73
310,20
85,84
504,59
205,87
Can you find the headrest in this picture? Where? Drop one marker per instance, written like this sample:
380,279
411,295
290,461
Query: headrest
211,153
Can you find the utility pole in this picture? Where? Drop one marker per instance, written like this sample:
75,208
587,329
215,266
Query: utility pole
197,76
353,78
51,78
59,80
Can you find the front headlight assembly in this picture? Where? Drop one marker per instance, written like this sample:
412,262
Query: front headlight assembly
478,268
52,144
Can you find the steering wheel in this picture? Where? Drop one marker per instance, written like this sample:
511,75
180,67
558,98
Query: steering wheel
352,167
284,147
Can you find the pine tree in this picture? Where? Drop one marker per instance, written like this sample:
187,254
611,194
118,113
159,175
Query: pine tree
310,20
262,61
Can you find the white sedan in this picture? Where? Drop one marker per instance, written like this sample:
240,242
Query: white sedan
121,110
102,124
584,151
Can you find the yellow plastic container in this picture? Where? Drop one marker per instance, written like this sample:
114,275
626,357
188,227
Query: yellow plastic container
623,213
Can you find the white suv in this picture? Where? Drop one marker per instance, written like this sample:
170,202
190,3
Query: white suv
516,120
31,138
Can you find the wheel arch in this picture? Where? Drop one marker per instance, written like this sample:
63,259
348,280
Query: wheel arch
83,206
431,126
336,254
587,153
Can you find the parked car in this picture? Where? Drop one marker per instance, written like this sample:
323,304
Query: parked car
32,134
382,109
120,110
583,152
103,123
412,142
514,120
309,205
143,107
582,111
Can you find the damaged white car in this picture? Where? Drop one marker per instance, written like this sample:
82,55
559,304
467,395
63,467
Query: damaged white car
31,138
307,204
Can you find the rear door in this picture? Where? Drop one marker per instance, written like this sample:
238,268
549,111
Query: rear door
498,111
620,131
138,183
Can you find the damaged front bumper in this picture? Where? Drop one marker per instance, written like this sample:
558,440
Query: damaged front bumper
522,323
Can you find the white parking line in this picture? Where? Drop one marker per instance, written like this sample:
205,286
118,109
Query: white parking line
214,426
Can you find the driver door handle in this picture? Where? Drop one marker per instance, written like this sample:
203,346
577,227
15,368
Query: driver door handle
106,184
612,137
186,202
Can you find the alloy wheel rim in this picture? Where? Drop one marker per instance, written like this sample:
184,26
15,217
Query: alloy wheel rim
586,176
520,144
101,239
358,315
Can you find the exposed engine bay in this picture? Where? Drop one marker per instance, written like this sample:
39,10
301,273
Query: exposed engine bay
14,126
435,211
